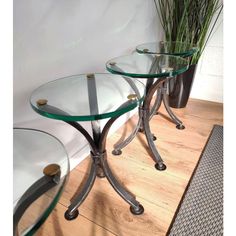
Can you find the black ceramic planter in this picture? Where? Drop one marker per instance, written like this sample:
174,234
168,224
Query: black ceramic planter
180,88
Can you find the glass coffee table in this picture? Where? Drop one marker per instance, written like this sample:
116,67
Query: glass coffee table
156,69
181,49
91,97
40,170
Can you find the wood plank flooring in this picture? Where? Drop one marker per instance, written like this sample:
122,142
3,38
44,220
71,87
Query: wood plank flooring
104,213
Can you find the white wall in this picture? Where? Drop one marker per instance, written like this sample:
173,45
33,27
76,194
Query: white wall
208,82
53,39
57,38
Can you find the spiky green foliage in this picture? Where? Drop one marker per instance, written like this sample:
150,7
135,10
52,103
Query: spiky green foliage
188,21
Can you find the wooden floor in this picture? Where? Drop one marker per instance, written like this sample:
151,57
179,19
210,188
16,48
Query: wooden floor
104,213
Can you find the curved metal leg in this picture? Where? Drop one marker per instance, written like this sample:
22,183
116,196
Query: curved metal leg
118,147
157,103
179,123
146,119
155,154
139,126
72,211
135,207
99,164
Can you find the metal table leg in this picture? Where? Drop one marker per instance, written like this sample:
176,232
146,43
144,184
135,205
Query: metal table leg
118,147
163,96
139,126
179,123
145,114
72,211
157,104
146,122
98,154
135,207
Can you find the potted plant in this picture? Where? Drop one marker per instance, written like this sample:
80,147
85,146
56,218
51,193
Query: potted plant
190,22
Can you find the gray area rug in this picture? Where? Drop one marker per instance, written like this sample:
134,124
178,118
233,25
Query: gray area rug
201,209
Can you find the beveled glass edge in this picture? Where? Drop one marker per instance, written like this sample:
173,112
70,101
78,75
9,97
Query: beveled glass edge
146,76
121,111
188,53
31,230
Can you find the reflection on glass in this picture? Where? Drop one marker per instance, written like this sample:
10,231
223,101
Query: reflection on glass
33,150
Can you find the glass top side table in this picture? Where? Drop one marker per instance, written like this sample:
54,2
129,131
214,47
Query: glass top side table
86,97
184,50
147,66
91,97
156,69
167,48
41,167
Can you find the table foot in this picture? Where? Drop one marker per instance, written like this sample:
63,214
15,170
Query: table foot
122,191
124,143
150,138
72,211
71,215
160,166
116,152
137,210
180,126
174,118
141,130
154,138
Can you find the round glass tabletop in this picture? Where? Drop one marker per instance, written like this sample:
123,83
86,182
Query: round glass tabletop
168,48
87,97
40,169
138,65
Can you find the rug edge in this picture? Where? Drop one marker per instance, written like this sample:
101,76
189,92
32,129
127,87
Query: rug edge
190,180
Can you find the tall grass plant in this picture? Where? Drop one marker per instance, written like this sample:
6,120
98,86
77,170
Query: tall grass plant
189,21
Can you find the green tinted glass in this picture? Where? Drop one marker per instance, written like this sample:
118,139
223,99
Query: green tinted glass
147,65
168,48
87,97
33,150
